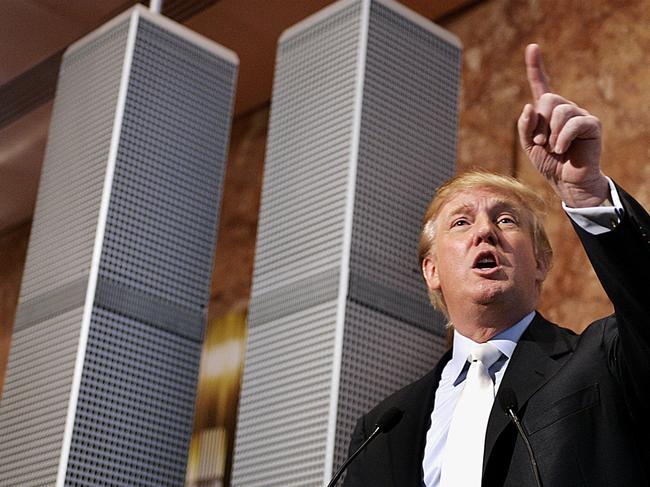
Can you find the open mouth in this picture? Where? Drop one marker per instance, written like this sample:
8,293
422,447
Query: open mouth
485,260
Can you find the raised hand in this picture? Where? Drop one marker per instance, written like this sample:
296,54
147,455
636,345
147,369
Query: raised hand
562,140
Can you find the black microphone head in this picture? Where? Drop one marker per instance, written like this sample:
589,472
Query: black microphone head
389,419
507,399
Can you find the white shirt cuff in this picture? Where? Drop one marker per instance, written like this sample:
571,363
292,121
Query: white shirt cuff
598,219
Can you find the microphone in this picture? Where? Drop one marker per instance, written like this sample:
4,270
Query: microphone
384,424
389,420
508,402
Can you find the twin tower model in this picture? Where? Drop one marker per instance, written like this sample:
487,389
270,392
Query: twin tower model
105,352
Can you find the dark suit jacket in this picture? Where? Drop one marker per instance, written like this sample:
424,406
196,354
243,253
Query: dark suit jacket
583,399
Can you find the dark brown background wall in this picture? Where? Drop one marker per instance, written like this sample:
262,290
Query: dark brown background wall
596,55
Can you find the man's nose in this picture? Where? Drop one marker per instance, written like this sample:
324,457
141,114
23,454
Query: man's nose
485,231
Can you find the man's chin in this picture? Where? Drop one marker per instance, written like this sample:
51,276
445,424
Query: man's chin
492,294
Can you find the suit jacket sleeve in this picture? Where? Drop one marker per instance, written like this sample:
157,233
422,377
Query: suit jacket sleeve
621,260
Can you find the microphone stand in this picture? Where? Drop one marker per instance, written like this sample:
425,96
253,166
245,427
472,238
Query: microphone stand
386,422
340,471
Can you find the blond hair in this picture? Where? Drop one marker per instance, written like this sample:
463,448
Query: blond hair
533,205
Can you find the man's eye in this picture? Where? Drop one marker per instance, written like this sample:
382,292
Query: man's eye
459,223
506,220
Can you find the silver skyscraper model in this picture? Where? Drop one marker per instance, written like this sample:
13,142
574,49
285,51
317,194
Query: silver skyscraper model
102,371
362,131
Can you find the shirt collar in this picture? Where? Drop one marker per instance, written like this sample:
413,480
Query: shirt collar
505,341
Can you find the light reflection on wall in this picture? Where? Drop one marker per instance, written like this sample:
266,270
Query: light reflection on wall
211,447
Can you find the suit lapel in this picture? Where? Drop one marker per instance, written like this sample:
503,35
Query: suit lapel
406,442
537,357
540,353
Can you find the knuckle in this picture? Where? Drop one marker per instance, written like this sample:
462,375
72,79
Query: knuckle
546,99
591,120
561,113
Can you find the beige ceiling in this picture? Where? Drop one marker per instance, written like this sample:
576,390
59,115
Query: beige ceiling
31,31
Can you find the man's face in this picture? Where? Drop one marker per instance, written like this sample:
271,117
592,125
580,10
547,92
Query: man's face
483,253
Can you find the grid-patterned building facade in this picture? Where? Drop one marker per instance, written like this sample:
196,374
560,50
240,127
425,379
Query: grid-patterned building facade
102,371
362,130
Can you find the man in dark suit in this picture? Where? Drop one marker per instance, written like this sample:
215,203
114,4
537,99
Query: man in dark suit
484,255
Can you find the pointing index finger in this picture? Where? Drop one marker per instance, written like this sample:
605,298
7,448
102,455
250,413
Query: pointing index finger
535,72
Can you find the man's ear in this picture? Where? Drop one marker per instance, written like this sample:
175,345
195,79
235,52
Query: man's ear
542,270
430,273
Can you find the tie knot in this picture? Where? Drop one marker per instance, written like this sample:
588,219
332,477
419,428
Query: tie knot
485,353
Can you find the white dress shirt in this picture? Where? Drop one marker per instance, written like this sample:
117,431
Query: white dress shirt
451,385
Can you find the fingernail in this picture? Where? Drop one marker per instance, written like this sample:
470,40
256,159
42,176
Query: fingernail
539,139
